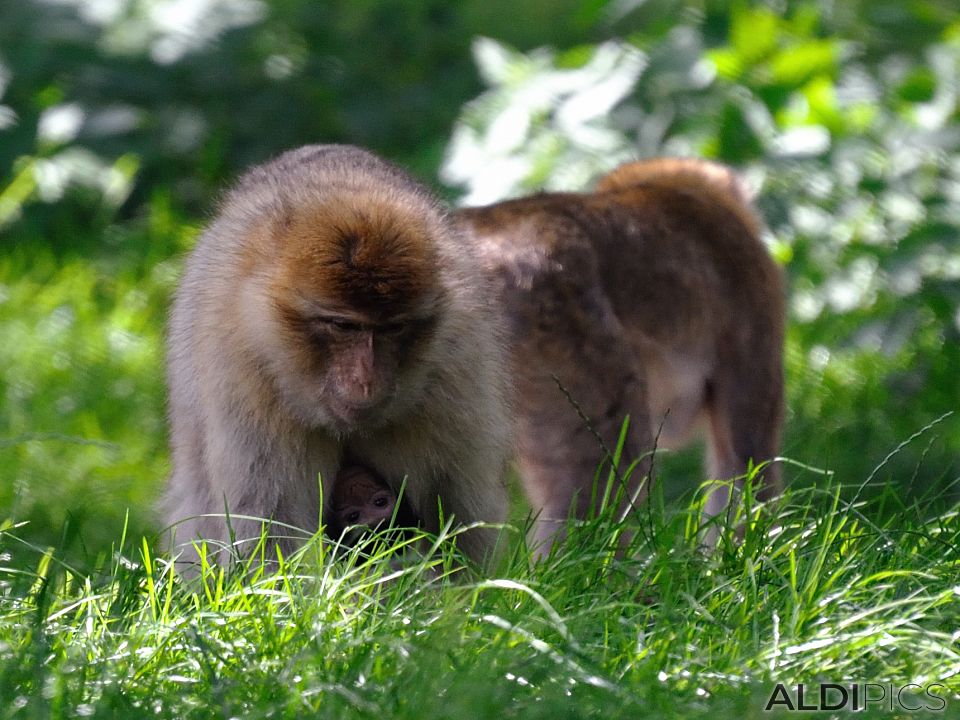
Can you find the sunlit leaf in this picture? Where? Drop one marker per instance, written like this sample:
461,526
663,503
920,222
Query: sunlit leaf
754,32
796,63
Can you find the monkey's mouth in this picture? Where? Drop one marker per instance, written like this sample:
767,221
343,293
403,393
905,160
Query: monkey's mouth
352,416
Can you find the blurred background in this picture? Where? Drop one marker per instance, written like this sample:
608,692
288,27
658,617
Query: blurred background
121,120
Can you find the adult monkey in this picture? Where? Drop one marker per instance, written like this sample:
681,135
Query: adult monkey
653,296
331,310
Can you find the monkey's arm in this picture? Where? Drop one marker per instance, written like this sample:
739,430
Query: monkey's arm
249,473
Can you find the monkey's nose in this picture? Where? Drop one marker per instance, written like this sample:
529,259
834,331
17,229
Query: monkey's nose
362,393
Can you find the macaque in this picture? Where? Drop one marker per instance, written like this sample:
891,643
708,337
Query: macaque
363,502
653,297
331,309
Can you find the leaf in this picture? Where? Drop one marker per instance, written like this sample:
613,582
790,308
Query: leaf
919,86
727,62
798,63
754,33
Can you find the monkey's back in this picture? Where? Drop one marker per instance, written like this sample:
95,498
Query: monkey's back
674,267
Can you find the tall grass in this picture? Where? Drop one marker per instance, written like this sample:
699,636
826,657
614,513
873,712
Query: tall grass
812,590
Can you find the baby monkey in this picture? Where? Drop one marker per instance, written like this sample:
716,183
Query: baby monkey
363,503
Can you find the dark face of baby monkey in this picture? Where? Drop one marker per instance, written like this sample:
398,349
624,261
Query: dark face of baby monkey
362,502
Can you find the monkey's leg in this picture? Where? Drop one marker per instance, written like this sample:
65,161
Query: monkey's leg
561,452
577,381
485,502
745,410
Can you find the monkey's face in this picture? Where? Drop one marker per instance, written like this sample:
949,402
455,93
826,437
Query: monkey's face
374,511
361,365
360,499
358,302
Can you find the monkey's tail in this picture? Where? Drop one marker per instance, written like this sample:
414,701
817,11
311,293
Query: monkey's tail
709,180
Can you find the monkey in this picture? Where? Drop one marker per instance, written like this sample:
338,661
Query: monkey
332,309
362,502
652,296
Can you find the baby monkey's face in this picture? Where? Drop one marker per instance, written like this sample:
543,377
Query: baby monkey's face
361,499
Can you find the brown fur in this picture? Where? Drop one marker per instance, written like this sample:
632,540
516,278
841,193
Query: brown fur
373,260
330,311
708,180
654,297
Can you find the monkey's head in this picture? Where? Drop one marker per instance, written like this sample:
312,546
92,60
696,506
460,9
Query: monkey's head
356,299
360,498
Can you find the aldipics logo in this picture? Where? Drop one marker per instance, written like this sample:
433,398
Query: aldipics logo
858,696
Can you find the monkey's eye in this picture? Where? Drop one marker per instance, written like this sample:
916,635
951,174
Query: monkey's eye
352,517
393,328
380,502
339,324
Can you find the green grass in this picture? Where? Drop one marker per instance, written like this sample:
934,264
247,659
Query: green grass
816,591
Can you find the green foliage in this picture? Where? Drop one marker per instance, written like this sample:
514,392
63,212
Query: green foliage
82,428
818,593
200,91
